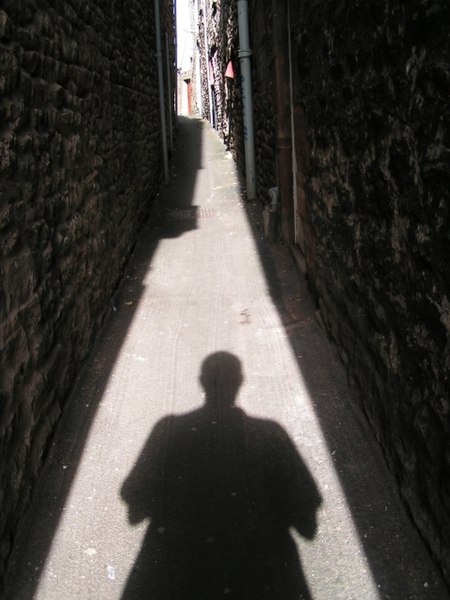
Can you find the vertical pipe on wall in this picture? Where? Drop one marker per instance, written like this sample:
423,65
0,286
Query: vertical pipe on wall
294,154
247,103
162,108
169,93
175,50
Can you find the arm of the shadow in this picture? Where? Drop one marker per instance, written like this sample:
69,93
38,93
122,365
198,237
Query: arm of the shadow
299,496
142,488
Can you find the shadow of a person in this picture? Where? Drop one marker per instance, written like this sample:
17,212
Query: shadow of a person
222,490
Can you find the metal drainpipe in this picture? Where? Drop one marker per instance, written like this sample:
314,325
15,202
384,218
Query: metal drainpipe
169,93
247,104
176,58
294,150
161,91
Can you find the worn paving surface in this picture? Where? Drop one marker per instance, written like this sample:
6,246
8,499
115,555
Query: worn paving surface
212,448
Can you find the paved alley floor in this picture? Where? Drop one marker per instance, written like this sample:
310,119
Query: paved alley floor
212,448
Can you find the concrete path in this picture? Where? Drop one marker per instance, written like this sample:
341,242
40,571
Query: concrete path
212,448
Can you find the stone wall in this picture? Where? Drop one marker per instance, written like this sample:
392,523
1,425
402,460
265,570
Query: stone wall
79,165
373,81
203,102
223,45
220,19
261,21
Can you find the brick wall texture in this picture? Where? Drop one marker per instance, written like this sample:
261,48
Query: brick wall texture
371,83
79,165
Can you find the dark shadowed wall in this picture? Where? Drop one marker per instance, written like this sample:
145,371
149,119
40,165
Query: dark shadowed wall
79,165
373,82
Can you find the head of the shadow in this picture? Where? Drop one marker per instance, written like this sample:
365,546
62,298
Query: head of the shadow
221,377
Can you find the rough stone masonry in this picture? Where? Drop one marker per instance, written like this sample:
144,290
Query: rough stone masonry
79,164
374,83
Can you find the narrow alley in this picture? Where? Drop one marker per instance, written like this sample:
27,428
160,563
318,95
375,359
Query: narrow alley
211,448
